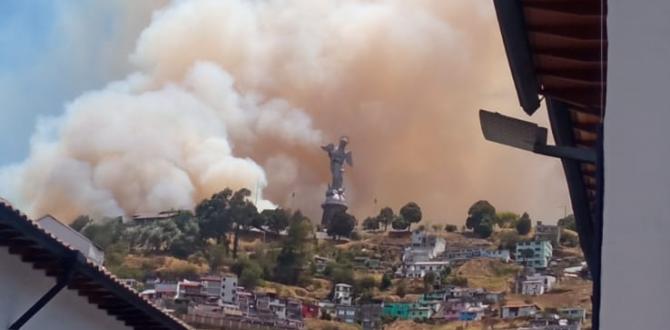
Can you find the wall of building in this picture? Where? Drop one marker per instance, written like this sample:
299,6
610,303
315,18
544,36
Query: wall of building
636,245
22,286
229,289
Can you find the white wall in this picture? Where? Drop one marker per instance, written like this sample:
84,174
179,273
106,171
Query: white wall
636,241
21,286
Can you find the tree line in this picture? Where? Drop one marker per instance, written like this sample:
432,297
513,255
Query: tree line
211,234
410,213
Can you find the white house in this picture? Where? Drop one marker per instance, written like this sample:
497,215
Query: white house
342,294
74,291
502,255
278,307
512,311
72,238
419,269
423,247
535,284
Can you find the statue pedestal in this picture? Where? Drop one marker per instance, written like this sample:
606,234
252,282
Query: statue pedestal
333,204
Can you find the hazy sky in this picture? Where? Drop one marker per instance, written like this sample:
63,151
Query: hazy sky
52,51
404,80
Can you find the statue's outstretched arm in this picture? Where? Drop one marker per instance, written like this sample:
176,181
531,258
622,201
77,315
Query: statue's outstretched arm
329,147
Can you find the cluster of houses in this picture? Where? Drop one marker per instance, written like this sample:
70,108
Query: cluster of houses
220,301
216,300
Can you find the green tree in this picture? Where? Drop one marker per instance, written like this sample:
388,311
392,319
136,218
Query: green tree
524,224
457,280
340,273
411,213
242,212
399,223
401,289
509,239
507,219
216,256
484,229
569,238
277,219
213,216
481,217
80,222
251,277
451,228
385,282
291,267
370,223
568,222
428,282
365,285
342,225
444,275
386,217
104,232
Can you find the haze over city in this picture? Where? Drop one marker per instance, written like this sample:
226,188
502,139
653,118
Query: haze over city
122,107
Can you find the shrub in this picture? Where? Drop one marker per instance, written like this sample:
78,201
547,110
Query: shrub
386,282
401,289
509,239
457,280
523,225
451,228
251,276
569,239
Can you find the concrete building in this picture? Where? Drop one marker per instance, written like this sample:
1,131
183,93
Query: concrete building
369,316
212,286
454,253
533,284
165,290
551,233
536,254
342,294
72,238
573,313
229,289
419,269
345,313
293,309
512,311
423,247
327,307
47,284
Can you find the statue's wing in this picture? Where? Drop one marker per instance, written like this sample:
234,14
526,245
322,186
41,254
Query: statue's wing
349,159
330,147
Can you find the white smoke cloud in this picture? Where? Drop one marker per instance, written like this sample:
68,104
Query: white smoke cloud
128,148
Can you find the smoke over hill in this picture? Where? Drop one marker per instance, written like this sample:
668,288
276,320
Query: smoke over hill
241,94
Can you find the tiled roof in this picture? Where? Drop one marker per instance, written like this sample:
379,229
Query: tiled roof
44,251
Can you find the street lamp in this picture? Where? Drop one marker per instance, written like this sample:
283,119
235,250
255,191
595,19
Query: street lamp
529,136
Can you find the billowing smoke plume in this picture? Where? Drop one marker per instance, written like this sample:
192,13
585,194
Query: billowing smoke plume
240,94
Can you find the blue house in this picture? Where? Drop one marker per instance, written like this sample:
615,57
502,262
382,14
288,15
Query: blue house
535,254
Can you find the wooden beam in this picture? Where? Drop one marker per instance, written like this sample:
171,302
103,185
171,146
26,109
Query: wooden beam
519,56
